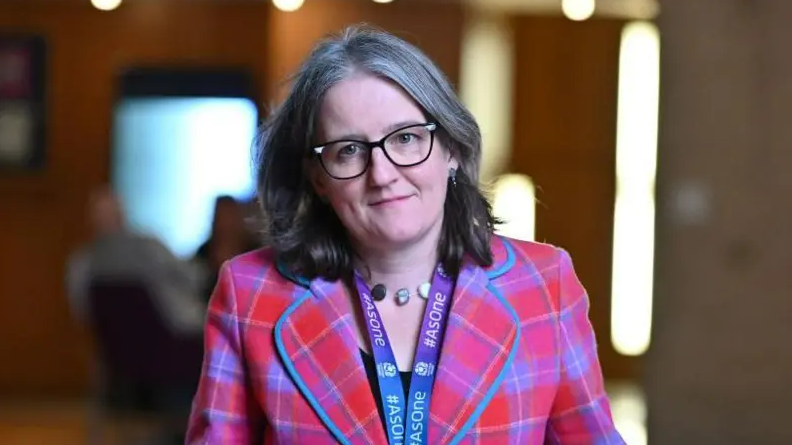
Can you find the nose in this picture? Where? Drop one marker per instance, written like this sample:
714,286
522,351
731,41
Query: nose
381,171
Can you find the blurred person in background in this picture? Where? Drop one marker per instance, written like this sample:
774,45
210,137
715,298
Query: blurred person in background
230,236
384,294
116,252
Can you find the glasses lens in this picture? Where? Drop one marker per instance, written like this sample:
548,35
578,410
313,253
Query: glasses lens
344,159
409,146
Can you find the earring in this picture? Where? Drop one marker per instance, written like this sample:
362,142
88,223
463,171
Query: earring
452,175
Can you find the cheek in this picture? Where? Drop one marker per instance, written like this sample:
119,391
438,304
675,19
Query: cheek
440,191
344,196
433,179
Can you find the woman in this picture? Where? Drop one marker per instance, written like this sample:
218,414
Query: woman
385,295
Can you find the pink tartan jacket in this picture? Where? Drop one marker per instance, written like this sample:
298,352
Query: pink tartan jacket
518,365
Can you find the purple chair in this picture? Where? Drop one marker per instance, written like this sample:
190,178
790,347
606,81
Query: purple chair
137,349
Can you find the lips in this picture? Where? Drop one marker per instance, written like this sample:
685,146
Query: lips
391,200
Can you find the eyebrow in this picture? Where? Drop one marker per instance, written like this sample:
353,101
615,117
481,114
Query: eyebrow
386,130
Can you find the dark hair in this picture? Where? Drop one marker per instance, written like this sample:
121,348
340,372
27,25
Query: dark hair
224,200
304,232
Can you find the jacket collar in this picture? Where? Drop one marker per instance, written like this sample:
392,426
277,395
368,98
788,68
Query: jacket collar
315,339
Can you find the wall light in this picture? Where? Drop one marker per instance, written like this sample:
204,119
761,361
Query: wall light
636,165
628,405
578,10
382,1
515,203
288,5
106,5
486,87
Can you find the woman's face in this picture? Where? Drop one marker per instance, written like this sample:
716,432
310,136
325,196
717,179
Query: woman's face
387,206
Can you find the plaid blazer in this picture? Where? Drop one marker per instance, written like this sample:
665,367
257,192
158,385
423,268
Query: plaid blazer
518,366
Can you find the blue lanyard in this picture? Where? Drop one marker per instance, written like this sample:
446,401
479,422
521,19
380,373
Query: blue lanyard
408,425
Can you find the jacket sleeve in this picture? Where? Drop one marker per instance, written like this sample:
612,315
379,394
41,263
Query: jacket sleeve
581,411
223,410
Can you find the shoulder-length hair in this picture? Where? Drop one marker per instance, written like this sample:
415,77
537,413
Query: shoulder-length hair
304,232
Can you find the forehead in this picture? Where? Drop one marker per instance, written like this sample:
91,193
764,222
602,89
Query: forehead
364,105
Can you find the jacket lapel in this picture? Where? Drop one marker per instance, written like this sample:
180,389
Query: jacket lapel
480,342
316,341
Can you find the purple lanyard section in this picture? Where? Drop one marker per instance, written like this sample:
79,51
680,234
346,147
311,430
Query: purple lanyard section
407,421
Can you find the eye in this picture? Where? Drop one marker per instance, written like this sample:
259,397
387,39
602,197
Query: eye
349,150
405,138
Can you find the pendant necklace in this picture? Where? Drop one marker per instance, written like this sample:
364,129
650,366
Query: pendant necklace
402,296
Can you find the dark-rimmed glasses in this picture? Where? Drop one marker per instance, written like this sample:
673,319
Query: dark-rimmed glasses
406,147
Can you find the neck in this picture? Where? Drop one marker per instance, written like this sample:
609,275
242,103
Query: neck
400,266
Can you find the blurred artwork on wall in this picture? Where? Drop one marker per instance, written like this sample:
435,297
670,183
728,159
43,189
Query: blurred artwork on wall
22,102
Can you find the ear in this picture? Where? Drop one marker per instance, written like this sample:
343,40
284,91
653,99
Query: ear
452,162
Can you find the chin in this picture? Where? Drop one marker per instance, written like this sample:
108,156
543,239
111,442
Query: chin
399,236
403,234
392,231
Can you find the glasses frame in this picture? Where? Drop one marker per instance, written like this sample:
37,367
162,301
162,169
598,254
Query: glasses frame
429,126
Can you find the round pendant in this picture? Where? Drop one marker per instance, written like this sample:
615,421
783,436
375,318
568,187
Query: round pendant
423,290
378,292
402,296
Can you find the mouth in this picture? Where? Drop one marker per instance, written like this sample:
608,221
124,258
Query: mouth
389,201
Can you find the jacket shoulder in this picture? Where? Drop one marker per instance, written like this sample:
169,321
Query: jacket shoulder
251,280
530,254
531,283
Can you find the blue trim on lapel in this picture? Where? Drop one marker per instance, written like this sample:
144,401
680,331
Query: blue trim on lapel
313,401
507,265
506,366
283,270
492,274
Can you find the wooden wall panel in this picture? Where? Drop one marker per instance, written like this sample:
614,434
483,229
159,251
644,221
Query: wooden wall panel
434,26
564,138
41,216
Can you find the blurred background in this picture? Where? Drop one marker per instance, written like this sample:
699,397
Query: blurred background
649,139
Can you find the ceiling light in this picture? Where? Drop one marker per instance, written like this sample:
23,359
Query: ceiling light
105,5
288,5
578,10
